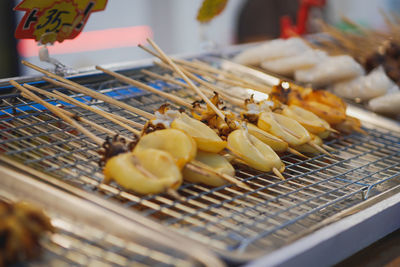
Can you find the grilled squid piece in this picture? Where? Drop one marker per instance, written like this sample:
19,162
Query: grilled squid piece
307,119
309,149
278,145
253,152
181,146
217,162
285,128
147,171
205,138
324,104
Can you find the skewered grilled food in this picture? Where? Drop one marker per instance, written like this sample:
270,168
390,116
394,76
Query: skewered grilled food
147,171
210,160
22,225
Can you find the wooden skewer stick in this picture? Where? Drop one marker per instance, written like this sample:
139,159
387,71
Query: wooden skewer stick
102,97
104,114
328,148
278,173
220,91
213,87
228,178
222,79
205,67
130,81
295,152
205,90
98,140
75,116
58,112
320,149
291,150
68,99
228,75
187,80
76,87
122,119
112,117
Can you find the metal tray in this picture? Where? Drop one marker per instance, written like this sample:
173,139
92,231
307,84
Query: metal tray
240,225
87,235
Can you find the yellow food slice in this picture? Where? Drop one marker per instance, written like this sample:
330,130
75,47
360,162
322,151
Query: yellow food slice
181,146
255,153
277,124
278,145
306,118
164,171
325,112
214,161
306,148
205,138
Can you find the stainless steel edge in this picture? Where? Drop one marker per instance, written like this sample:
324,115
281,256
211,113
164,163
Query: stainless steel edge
371,117
125,227
341,239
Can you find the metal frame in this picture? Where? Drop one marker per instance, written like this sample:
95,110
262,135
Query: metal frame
239,225
331,244
87,233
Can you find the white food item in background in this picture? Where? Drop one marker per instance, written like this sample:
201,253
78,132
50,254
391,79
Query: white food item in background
375,84
330,70
288,65
387,104
277,48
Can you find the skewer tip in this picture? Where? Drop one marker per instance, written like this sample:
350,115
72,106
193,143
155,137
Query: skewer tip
278,173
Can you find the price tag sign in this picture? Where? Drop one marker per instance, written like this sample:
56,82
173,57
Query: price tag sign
48,21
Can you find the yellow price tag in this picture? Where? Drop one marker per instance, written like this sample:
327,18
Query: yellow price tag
54,20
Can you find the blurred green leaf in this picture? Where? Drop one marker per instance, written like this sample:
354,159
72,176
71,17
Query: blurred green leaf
210,9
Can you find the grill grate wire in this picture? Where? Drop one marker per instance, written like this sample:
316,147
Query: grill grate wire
227,218
77,244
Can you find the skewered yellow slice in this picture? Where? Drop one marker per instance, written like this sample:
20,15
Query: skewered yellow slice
285,128
274,142
307,148
306,118
205,138
181,146
148,171
215,161
255,153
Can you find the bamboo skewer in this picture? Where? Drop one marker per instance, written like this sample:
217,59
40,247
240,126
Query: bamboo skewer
100,112
26,93
130,81
187,80
228,178
74,116
184,85
203,66
76,87
65,98
240,104
319,148
118,117
183,100
112,117
209,85
291,150
57,111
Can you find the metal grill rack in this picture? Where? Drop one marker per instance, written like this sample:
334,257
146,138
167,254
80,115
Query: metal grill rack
235,222
78,243
82,245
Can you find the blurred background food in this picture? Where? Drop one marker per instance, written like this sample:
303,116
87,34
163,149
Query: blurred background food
174,27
